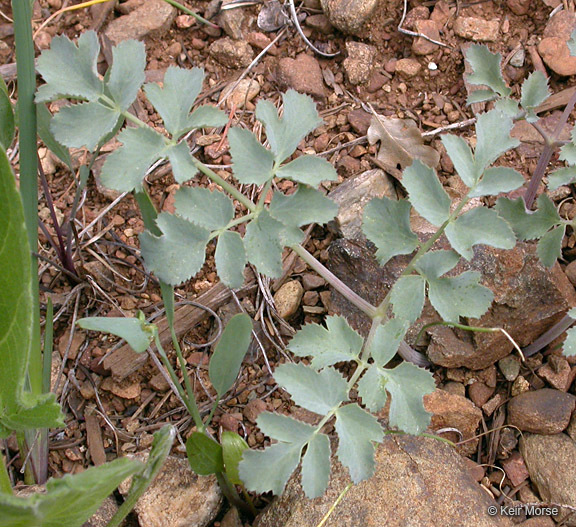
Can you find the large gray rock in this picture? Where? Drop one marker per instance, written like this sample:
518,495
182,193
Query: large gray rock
550,462
418,482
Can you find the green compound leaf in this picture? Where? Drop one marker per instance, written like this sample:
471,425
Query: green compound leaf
407,385
316,466
263,244
69,125
569,346
479,226
175,99
125,168
529,225
492,138
387,340
318,392
127,72
211,210
462,158
337,342
310,170
229,353
204,454
70,71
407,297
252,163
206,117
299,119
561,176
486,69
305,206
6,117
357,429
550,245
508,107
496,180
458,296
285,429
136,332
183,166
69,501
386,223
426,193
434,264
179,253
534,90
230,258
233,446
481,96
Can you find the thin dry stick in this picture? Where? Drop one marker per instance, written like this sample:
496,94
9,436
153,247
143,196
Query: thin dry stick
413,33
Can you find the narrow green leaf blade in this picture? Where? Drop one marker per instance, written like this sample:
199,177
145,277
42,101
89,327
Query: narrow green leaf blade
127,72
486,69
550,245
318,392
316,466
204,454
179,253
230,258
134,331
211,210
175,99
229,353
357,429
70,70
426,193
458,296
125,168
407,297
492,138
308,169
233,446
252,163
6,117
462,158
263,245
337,342
496,180
386,223
534,90
479,226
305,206
69,125
387,340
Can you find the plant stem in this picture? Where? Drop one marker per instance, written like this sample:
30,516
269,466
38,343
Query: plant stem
191,13
231,494
5,484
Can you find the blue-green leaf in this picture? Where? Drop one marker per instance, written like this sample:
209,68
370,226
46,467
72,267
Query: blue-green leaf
252,163
206,117
534,90
263,246
125,168
529,225
496,180
183,166
434,264
229,353
508,107
211,210
481,96
175,99
127,72
426,193
561,176
70,70
550,245
569,347
44,119
310,170
136,332
462,158
386,223
357,429
387,340
305,206
316,466
284,428
486,69
568,152
479,226
572,43
336,343
407,297
319,392
230,258
179,253
492,138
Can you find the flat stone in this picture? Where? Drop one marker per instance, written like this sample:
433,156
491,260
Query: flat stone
519,7
515,468
418,481
557,373
544,411
243,93
477,29
555,53
231,53
359,62
288,298
430,28
349,16
230,20
479,393
510,368
303,74
177,496
320,23
454,411
312,281
550,462
408,68
359,120
124,389
151,19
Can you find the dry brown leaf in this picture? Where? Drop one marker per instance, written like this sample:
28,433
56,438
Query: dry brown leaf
400,143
